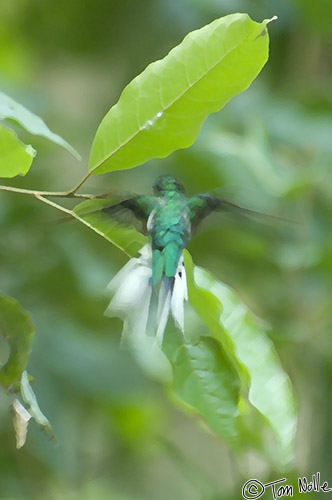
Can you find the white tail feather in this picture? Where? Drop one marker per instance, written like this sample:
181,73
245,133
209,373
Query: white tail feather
179,294
164,307
134,301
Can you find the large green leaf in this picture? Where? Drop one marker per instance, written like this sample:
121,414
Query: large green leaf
164,108
270,389
10,109
15,157
17,329
204,378
209,308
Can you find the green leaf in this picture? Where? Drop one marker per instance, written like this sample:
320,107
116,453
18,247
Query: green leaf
163,109
127,239
270,389
16,327
15,157
10,109
209,308
204,378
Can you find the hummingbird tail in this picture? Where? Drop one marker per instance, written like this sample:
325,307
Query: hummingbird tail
179,294
144,306
172,294
164,306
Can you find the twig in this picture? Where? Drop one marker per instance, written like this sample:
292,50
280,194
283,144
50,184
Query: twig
43,196
75,216
55,194
68,212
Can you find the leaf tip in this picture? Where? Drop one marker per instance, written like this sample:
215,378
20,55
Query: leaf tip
74,152
265,23
30,150
274,18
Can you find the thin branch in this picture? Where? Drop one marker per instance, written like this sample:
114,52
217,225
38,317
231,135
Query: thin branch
68,212
75,216
43,196
55,194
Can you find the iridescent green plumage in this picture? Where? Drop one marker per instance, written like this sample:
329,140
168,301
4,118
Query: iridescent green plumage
169,227
166,216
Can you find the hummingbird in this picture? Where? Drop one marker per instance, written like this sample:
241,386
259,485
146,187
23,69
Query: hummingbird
170,218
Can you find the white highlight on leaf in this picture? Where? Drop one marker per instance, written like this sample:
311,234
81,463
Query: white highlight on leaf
150,123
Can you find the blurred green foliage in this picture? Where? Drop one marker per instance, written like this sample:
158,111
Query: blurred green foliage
270,149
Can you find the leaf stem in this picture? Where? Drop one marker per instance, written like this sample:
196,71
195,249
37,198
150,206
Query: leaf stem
72,192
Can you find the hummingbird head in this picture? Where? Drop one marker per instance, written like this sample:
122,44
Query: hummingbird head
167,183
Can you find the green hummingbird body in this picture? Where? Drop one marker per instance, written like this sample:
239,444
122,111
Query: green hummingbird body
170,218
170,228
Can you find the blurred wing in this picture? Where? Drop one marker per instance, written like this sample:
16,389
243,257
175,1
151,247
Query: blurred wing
132,210
202,205
236,209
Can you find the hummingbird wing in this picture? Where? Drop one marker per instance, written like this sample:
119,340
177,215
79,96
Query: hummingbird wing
202,205
137,207
133,210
